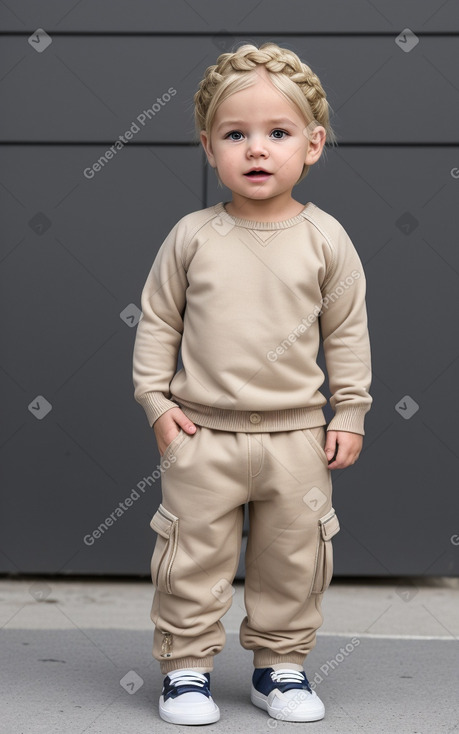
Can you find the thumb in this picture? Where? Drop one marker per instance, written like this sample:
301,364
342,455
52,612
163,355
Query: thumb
330,444
187,425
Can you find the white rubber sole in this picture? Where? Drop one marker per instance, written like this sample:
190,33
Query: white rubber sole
191,713
314,710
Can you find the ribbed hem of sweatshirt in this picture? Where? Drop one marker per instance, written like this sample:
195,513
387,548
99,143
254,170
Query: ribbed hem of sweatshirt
154,405
252,421
349,419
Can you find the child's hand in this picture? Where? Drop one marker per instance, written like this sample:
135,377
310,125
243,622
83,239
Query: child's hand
349,448
167,425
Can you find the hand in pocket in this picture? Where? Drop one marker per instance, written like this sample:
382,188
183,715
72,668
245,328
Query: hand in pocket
168,426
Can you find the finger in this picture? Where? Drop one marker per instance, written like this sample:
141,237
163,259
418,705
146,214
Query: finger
343,461
339,461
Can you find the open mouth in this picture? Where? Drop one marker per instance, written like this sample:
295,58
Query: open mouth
257,174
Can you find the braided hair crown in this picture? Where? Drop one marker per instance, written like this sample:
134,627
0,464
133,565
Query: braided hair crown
287,72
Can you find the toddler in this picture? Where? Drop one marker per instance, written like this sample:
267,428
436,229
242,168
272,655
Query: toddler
247,288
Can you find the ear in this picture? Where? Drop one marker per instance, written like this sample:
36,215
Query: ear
205,140
316,141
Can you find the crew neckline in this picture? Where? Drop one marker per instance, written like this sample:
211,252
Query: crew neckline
252,224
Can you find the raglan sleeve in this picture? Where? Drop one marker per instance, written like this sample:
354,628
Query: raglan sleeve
159,331
346,341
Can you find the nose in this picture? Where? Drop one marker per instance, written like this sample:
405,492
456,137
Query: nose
256,146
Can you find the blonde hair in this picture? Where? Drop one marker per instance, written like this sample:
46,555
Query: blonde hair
293,78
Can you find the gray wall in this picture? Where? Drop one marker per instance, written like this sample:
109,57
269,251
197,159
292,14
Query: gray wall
75,253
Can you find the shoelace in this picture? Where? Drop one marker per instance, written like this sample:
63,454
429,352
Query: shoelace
286,675
192,679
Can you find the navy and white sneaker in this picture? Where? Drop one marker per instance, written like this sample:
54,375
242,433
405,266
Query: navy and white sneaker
185,698
286,695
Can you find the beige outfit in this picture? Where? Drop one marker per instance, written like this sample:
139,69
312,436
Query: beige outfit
248,303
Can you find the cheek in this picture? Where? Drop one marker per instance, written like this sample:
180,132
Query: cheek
228,163
287,168
294,161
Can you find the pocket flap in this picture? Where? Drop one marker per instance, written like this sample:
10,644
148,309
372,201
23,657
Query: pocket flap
329,525
163,521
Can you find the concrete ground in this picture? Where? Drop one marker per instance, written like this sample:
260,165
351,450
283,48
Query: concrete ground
76,658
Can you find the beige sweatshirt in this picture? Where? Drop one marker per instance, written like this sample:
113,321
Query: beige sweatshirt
248,302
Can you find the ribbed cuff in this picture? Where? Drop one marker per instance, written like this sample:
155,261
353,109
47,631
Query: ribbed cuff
349,419
175,664
155,404
264,658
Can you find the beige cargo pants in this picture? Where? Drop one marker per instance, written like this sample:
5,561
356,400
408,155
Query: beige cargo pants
207,477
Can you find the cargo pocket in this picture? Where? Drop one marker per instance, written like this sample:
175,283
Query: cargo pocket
328,527
162,561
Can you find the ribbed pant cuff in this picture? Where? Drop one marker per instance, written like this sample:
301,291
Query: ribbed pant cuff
177,663
266,658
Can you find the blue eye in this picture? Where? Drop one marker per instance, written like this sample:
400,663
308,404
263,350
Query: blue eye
283,133
233,132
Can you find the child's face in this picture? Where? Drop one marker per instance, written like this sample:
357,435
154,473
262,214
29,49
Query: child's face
258,128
